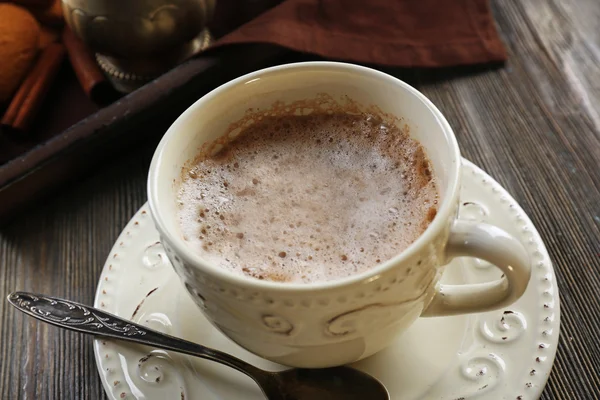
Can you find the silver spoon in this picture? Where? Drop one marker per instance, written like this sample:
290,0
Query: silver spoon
293,384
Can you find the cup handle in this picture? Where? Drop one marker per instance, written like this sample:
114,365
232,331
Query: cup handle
492,244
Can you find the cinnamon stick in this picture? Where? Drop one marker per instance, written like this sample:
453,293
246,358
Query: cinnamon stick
48,35
91,78
33,90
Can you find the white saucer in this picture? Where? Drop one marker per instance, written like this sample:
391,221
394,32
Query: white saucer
504,354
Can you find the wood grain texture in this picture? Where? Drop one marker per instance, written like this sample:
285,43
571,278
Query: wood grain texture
533,124
59,247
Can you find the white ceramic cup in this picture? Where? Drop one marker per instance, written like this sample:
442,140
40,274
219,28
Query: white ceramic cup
332,323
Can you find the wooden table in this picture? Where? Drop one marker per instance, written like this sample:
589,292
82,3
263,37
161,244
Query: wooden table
534,125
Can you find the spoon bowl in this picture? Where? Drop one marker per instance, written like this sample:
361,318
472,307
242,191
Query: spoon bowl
324,384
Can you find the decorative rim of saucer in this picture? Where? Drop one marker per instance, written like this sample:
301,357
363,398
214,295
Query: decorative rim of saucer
538,365
542,273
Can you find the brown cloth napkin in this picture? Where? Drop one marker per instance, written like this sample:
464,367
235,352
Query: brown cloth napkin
419,33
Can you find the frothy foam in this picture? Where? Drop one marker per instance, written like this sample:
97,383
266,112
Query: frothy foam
308,198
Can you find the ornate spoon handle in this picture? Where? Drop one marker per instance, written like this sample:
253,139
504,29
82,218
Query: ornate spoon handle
81,318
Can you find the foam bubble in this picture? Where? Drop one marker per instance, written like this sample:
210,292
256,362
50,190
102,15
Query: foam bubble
324,198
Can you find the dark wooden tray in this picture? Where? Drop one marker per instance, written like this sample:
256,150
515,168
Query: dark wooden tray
73,134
